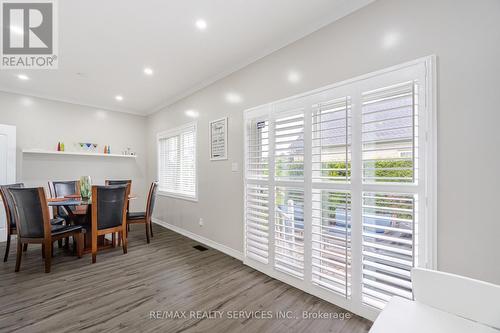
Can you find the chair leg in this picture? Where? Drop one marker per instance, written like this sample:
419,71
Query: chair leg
19,255
43,250
147,232
94,249
25,248
119,239
48,256
79,245
124,242
7,248
66,242
151,228
113,239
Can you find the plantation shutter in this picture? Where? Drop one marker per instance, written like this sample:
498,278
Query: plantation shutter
337,186
389,134
331,140
258,148
289,231
390,151
388,246
257,222
177,162
331,240
289,146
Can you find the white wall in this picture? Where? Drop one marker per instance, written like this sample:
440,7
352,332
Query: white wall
465,36
41,124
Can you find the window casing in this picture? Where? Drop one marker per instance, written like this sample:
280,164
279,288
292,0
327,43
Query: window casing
177,175
335,182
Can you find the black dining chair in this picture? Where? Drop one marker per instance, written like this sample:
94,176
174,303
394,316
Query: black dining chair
109,214
60,189
34,225
145,217
10,214
120,182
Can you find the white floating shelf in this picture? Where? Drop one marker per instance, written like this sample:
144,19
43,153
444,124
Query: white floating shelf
72,153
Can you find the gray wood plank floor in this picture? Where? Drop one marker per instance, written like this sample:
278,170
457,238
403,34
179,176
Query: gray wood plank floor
118,293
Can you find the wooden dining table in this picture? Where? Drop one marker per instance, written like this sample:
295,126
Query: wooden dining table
80,211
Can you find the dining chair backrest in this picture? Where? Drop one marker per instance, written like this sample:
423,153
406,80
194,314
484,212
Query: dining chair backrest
8,202
63,188
32,211
109,203
152,198
119,182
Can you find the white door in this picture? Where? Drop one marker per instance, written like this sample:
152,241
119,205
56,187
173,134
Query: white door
7,167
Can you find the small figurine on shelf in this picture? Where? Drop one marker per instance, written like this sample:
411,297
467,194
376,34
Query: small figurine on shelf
105,149
59,146
62,146
109,149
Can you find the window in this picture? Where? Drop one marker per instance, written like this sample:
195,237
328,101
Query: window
339,187
177,162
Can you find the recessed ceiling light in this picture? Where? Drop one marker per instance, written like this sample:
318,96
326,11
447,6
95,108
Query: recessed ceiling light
148,71
192,113
391,39
119,98
233,98
23,77
201,24
294,77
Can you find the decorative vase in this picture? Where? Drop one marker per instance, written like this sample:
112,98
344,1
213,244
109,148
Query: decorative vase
85,187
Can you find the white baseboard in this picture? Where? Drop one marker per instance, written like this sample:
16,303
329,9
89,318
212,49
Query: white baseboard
208,242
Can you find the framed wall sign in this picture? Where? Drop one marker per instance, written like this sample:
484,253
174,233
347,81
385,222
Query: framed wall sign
218,139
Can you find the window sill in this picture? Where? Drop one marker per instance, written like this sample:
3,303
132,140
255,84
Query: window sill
177,196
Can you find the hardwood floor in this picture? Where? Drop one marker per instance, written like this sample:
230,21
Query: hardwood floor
119,292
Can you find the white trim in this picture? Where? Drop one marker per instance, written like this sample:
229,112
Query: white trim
177,196
206,241
49,98
432,158
176,130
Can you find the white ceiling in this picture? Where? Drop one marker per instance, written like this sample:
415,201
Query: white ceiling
105,45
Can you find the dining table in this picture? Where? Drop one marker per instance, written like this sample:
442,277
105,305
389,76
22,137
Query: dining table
80,212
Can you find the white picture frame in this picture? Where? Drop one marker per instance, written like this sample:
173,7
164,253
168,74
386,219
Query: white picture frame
218,139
